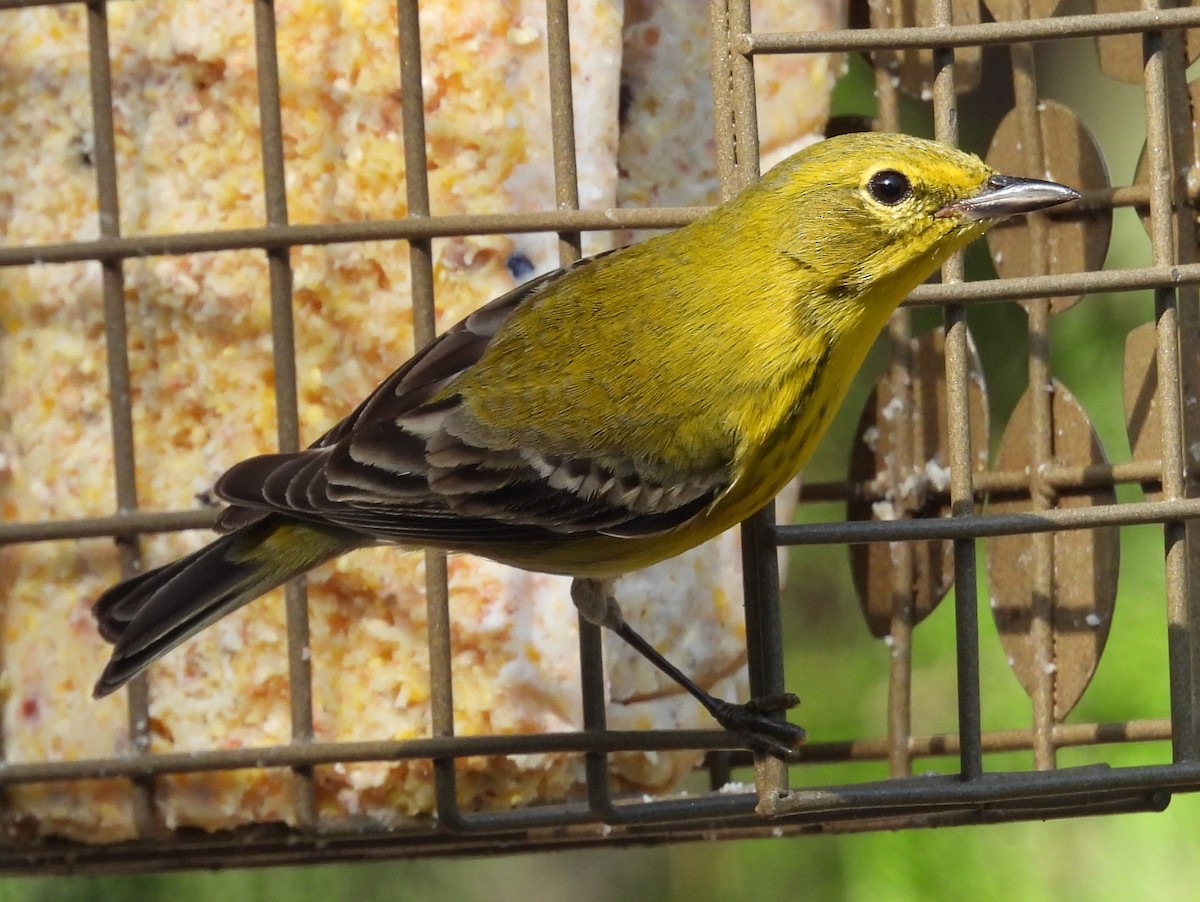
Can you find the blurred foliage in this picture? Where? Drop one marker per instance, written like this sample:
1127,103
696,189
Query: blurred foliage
1118,857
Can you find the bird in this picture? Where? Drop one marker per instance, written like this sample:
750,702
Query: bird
610,414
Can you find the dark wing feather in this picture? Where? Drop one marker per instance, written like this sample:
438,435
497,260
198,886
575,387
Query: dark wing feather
437,364
405,467
418,380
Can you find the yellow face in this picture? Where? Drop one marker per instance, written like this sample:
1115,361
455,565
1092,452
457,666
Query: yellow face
867,210
915,198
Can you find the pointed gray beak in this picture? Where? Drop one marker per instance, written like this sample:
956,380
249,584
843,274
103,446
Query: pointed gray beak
1009,195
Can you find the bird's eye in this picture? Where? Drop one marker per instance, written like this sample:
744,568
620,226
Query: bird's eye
889,186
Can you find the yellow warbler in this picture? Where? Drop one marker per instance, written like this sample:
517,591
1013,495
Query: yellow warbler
609,415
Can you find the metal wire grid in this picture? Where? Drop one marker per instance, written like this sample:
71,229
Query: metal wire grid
972,796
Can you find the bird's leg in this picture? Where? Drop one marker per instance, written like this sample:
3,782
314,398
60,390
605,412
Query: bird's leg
595,602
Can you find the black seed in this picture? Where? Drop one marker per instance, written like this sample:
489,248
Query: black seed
519,265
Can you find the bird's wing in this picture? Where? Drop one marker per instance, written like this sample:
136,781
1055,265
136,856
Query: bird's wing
407,465
445,358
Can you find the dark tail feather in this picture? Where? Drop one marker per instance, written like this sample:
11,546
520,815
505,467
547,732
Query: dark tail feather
149,614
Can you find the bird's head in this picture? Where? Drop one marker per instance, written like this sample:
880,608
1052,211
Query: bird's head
883,211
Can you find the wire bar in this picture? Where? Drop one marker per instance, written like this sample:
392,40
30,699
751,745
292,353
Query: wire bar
780,801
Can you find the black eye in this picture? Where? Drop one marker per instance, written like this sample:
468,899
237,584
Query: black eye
889,186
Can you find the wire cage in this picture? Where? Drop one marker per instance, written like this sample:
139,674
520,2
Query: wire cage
1051,519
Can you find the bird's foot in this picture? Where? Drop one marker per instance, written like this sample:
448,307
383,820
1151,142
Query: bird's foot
754,722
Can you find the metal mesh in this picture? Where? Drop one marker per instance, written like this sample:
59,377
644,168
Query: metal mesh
783,800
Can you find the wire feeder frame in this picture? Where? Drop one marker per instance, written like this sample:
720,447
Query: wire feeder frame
776,806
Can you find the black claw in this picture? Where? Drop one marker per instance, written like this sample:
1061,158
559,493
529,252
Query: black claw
761,732
753,721
783,751
773,704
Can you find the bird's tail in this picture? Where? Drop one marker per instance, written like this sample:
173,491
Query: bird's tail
151,613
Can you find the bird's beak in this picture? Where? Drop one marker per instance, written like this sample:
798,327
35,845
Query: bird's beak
1009,195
